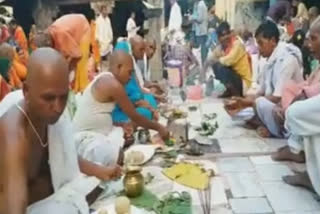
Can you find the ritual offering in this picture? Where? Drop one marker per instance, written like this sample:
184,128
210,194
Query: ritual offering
134,158
170,142
138,155
143,136
207,129
189,174
133,181
122,205
175,114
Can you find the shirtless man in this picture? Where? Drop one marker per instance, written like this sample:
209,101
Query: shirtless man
26,128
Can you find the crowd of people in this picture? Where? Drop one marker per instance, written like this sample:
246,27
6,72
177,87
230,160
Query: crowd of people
271,76
49,144
49,147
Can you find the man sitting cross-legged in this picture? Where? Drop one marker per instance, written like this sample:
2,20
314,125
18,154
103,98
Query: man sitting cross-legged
97,139
284,64
306,93
39,167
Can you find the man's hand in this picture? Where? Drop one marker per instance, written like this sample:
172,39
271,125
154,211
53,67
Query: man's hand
236,104
164,133
110,173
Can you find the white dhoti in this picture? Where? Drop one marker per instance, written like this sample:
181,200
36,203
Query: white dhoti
99,148
265,111
52,207
303,121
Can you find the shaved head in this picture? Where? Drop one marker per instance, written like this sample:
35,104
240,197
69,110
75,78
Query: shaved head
47,84
121,65
45,63
150,48
138,47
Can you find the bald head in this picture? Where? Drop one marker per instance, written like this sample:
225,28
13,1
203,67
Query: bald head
138,47
119,58
150,48
47,85
121,65
44,63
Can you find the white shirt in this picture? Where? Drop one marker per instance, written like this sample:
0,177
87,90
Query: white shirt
175,20
279,69
131,28
104,35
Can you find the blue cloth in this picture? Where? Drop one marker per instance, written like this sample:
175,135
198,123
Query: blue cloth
123,46
134,93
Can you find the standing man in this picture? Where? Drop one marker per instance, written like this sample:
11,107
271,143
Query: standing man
131,27
70,35
175,19
200,23
104,33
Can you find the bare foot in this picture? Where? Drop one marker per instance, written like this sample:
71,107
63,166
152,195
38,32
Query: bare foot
301,179
263,132
285,154
252,124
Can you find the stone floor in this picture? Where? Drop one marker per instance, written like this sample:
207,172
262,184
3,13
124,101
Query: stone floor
247,180
251,182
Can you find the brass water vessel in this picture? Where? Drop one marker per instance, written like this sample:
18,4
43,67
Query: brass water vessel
133,181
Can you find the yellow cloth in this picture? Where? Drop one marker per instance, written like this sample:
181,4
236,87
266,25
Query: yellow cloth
21,40
187,174
238,60
81,75
18,72
94,43
71,36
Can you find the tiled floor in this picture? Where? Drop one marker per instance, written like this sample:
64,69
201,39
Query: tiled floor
254,183
247,182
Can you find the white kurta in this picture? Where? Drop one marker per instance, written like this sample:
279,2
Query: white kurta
303,121
175,20
104,35
131,28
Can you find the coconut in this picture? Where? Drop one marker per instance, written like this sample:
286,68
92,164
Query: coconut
122,205
135,157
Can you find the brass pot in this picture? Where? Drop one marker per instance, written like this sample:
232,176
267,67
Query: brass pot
133,182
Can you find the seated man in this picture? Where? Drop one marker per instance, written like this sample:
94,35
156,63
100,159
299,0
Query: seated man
303,124
39,168
305,91
284,63
144,101
97,138
144,66
231,62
